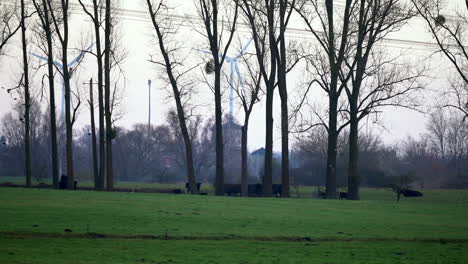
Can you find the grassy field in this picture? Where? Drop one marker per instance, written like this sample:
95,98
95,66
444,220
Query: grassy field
296,192
159,228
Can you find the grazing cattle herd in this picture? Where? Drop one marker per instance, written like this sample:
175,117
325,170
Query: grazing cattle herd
256,190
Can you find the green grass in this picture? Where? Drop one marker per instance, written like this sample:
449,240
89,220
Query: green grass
300,192
374,230
155,251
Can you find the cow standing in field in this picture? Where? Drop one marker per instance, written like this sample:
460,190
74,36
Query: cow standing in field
343,195
410,193
255,190
321,195
232,189
406,192
63,183
277,190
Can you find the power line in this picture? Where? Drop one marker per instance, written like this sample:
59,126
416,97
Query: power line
297,33
142,16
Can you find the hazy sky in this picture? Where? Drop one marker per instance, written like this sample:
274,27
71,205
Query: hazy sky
138,41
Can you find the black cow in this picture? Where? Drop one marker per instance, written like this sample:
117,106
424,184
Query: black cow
187,187
232,189
410,193
343,195
321,195
255,189
63,183
176,191
277,190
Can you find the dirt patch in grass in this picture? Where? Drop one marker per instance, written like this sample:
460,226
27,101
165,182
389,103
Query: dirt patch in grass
68,234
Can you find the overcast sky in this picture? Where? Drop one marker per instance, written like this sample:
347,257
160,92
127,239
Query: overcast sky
139,43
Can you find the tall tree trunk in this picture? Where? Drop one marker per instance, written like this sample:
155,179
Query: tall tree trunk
53,116
27,97
219,181
268,170
102,128
214,46
93,136
107,100
284,146
244,158
283,91
353,172
178,101
333,106
66,79
332,148
188,148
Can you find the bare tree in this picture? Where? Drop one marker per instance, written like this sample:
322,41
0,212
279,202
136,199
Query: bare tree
390,83
27,96
215,24
110,133
42,10
140,155
9,22
268,21
457,144
13,128
171,65
450,35
333,36
96,17
447,136
60,20
249,94
437,131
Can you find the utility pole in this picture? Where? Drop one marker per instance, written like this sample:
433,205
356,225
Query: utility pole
93,137
149,107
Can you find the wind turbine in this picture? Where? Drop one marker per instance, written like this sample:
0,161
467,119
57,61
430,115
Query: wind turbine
59,66
234,69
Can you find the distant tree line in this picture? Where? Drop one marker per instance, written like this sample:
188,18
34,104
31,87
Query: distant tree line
437,158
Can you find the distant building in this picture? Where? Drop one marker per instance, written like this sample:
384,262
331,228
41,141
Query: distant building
257,163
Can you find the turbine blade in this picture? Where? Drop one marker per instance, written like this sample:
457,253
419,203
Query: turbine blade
203,51
40,57
79,56
245,48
